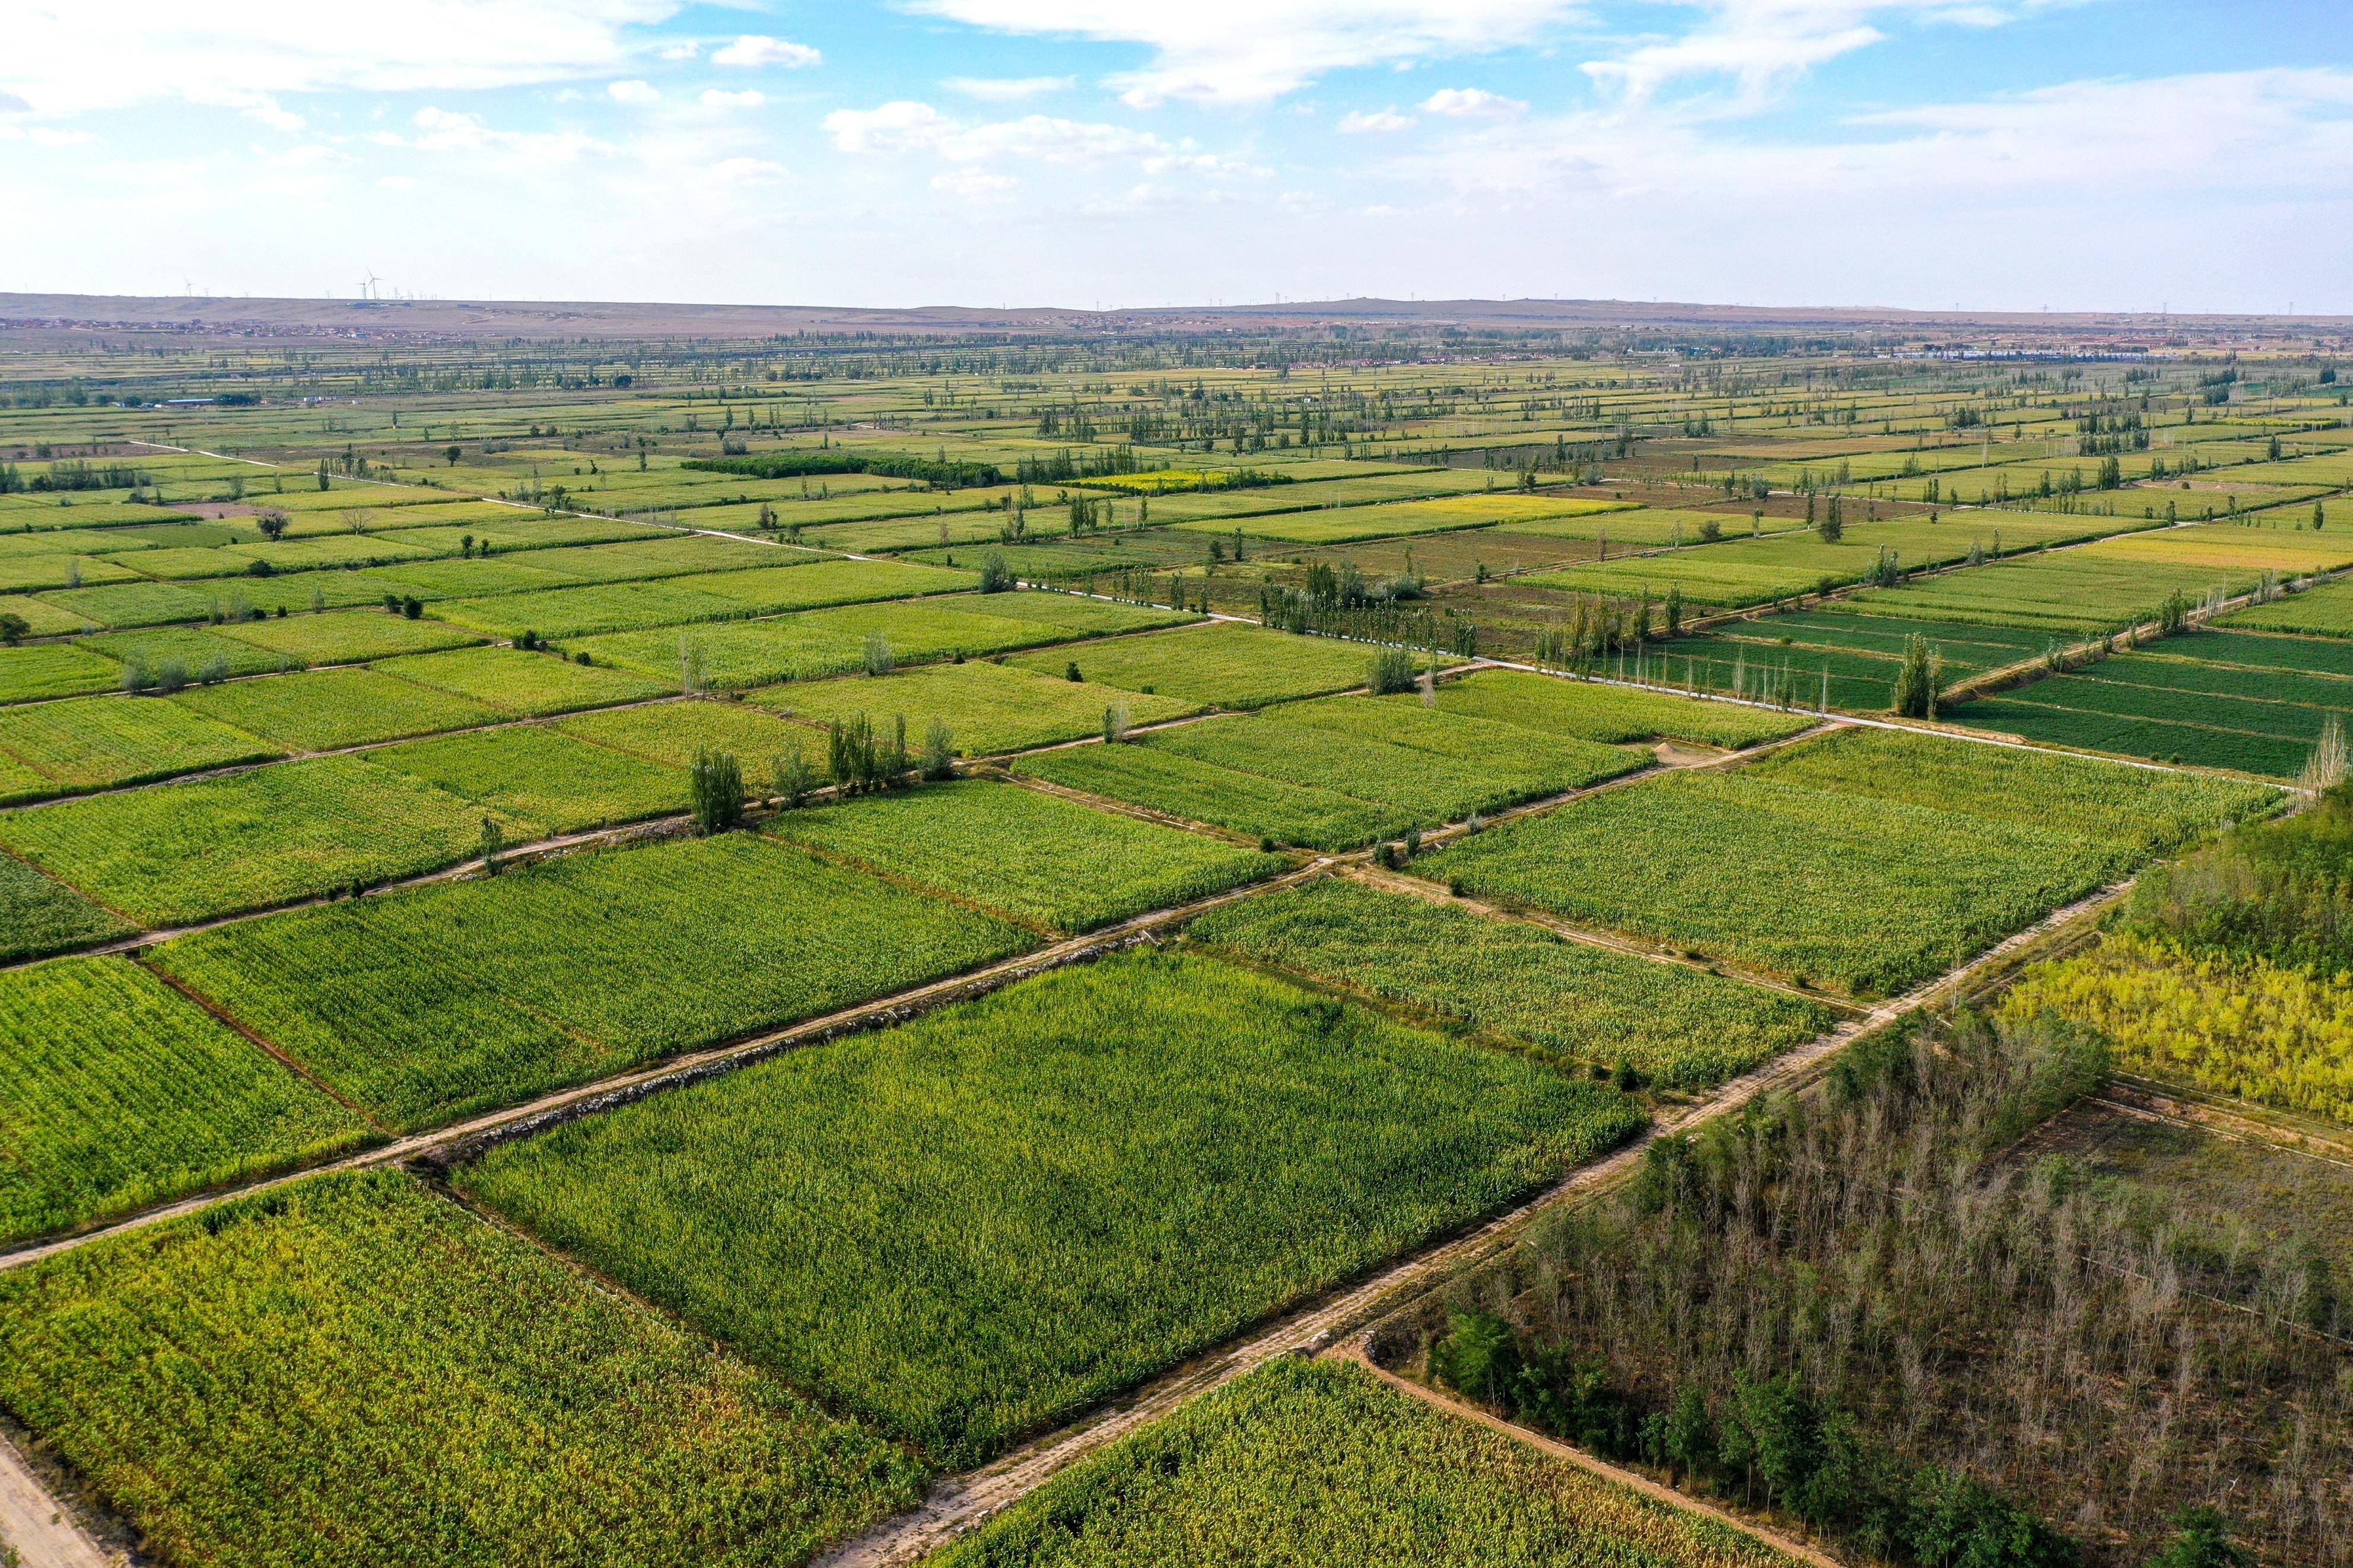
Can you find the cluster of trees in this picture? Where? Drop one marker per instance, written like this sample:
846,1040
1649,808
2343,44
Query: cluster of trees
1391,620
71,474
1873,1308
942,473
1597,627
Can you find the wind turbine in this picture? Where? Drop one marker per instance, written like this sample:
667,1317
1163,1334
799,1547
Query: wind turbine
367,287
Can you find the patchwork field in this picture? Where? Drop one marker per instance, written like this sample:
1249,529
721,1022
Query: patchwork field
466,1397
1319,1457
1678,1026
1818,894
427,1005
961,1229
2245,700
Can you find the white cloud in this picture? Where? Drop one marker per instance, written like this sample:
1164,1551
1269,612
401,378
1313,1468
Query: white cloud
1360,121
712,98
905,126
397,183
1008,90
1470,102
447,131
687,50
752,50
637,94
1245,51
976,185
1765,44
894,127
66,58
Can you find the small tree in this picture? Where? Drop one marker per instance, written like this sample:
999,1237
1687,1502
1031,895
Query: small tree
939,751
2326,767
272,524
995,577
690,677
1674,610
493,840
1115,723
1392,671
1919,682
716,786
880,660
795,778
1833,528
2201,1539
449,453
14,629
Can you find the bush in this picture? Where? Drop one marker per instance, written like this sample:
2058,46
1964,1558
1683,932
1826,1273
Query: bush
939,753
716,784
995,577
1392,671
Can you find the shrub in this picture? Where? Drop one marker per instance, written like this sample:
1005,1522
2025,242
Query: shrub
939,753
716,784
1392,671
995,577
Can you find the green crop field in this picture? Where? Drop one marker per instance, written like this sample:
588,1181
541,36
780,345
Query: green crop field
323,710
1429,767
1610,714
355,1361
972,1224
1024,854
2115,582
1250,803
815,643
1875,895
988,707
2214,699
1229,665
2147,812
1319,1463
170,854
2325,611
39,914
432,1004
53,669
351,636
117,1092
91,742
520,682
1684,1028
532,775
1743,572
673,734
797,583
197,652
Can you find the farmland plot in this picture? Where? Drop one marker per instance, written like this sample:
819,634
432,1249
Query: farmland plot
1679,1026
1226,663
354,1360
117,1092
1609,714
673,734
351,636
53,669
1875,895
91,742
538,775
323,709
1319,1457
430,1005
970,1226
988,708
177,853
521,682
1031,857
1249,803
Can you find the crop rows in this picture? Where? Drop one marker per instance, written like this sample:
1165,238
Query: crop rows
977,1223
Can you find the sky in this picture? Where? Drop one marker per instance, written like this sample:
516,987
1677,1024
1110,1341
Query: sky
2189,156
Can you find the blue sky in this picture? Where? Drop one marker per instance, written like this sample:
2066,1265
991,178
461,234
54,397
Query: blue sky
1985,153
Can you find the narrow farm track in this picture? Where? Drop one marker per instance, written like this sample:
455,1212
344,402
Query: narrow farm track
1629,1479
963,1502
43,1532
